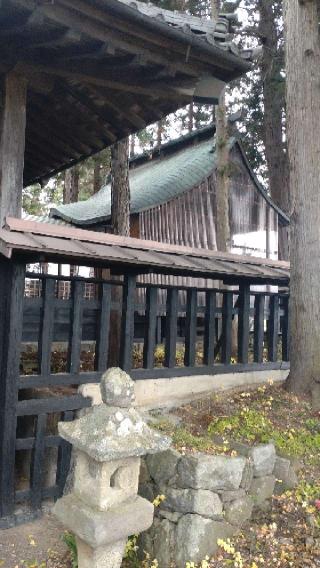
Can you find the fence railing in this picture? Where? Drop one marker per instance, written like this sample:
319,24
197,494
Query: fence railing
53,342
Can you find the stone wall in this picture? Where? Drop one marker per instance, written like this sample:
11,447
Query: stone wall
207,497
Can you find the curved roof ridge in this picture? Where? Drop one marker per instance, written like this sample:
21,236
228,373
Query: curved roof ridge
156,181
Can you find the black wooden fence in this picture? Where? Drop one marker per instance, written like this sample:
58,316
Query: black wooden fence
200,324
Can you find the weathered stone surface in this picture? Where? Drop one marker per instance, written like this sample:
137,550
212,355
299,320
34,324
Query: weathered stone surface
172,517
106,556
98,528
117,388
164,542
200,501
227,496
107,433
239,511
103,485
247,476
162,466
241,448
263,458
196,537
286,477
147,490
262,488
200,471
144,475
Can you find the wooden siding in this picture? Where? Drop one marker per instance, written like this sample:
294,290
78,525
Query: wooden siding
190,220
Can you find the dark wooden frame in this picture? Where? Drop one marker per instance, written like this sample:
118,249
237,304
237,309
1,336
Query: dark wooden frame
219,313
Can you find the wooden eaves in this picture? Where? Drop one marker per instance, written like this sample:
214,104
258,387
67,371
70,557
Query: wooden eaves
44,241
97,70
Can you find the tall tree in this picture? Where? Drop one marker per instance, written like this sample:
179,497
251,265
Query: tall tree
261,95
303,127
120,190
270,31
222,153
71,185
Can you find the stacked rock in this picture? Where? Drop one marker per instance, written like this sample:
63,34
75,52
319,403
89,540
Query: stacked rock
207,498
104,508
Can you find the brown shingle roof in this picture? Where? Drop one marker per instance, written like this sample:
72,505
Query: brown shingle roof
89,247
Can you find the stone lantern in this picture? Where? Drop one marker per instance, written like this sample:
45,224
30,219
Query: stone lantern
104,507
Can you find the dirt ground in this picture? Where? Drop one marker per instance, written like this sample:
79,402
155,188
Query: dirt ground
34,545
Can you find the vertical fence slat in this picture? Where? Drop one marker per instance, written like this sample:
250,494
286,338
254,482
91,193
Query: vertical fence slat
227,307
259,304
64,457
12,283
46,330
210,328
102,347
285,330
191,329
273,328
74,350
243,323
37,462
171,327
151,326
127,323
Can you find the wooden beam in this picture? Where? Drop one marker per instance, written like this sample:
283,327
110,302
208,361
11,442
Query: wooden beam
12,144
122,110
87,77
117,38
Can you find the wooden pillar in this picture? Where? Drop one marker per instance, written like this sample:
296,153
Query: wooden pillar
12,276
12,144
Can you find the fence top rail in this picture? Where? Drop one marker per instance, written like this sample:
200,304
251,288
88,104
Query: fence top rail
35,276
54,241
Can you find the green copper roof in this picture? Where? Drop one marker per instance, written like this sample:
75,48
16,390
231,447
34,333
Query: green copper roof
152,183
182,165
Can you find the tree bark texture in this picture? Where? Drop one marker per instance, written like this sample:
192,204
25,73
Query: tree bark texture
120,221
222,154
97,181
120,190
303,127
223,173
13,93
274,102
71,185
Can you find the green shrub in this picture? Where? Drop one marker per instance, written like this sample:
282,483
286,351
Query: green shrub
70,540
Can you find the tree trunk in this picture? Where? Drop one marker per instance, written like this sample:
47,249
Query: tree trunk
97,182
222,153
120,221
120,190
274,103
71,185
222,169
303,127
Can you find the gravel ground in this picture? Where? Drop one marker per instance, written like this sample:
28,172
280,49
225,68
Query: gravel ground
34,545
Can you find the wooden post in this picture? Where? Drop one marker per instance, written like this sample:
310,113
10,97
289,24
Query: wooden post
191,329
243,323
171,327
150,324
12,144
227,308
11,315
210,328
127,324
259,304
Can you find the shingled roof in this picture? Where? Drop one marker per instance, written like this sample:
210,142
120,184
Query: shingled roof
98,70
57,243
158,177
